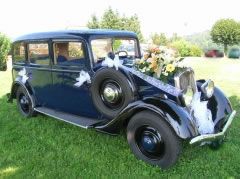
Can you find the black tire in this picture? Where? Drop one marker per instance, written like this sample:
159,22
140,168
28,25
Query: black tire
167,146
24,103
108,77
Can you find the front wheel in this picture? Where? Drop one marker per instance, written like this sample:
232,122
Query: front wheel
152,140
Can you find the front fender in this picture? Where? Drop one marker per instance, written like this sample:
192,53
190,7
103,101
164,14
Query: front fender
219,105
176,116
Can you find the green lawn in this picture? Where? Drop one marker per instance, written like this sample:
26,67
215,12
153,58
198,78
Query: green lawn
47,148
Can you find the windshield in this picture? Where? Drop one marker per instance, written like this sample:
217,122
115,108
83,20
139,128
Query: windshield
124,47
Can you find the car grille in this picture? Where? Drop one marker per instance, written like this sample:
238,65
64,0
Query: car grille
185,79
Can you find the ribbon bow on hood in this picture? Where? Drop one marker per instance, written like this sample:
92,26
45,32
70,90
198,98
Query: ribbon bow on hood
112,63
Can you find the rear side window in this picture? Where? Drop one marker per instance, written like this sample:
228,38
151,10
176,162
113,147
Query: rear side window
69,53
19,53
38,53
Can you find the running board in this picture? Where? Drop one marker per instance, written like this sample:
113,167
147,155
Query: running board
83,122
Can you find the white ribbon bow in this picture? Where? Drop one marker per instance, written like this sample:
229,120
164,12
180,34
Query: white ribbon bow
83,77
23,75
112,63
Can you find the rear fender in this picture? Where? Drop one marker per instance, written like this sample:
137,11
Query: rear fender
18,83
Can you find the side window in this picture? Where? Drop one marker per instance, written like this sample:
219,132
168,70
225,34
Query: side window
19,53
69,53
38,53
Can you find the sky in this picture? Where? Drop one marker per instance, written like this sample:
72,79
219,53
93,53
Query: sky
184,17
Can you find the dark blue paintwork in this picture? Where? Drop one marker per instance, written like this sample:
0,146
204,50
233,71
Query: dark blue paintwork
52,86
76,34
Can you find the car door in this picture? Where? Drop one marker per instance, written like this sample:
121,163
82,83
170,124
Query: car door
39,70
71,57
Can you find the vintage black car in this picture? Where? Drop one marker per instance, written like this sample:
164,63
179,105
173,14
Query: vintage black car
60,74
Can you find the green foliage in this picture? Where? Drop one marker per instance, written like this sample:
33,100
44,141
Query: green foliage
226,32
116,45
93,23
113,20
110,20
175,37
4,50
133,24
159,39
195,51
186,49
203,40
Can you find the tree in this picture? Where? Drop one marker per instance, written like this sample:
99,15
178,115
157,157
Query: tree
133,24
175,37
186,49
159,39
110,20
113,20
4,50
226,32
93,23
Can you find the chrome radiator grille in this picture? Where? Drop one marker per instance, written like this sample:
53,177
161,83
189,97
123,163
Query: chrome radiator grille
184,80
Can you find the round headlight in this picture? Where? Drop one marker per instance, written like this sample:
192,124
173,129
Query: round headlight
208,88
188,96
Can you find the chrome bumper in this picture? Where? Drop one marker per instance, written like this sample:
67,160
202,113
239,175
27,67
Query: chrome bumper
212,137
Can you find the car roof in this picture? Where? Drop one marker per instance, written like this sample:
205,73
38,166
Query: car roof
64,34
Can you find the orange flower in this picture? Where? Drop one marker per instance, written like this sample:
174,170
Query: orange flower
145,56
156,50
153,64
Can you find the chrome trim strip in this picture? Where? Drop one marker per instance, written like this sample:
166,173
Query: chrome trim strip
85,127
210,137
60,70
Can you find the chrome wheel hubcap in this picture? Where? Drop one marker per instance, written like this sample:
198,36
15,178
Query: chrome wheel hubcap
111,93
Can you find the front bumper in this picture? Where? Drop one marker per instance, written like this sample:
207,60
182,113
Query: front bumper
212,137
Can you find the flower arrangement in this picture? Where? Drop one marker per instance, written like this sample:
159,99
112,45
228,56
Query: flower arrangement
161,63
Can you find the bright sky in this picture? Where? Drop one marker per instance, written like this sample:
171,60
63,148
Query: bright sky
18,17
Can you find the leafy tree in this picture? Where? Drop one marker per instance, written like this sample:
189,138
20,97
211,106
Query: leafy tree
93,23
133,24
113,20
4,50
159,39
110,20
186,49
175,37
226,32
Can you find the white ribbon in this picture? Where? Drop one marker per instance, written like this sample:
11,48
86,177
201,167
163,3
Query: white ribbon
203,116
23,75
83,77
112,63
151,80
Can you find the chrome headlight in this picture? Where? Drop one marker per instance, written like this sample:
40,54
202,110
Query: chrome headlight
185,81
188,96
208,88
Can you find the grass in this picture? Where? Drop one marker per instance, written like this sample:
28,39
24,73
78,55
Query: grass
48,148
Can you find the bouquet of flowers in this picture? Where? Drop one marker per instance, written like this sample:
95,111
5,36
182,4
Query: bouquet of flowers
161,63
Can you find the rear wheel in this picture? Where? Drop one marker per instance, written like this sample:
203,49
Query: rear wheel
152,140
24,103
